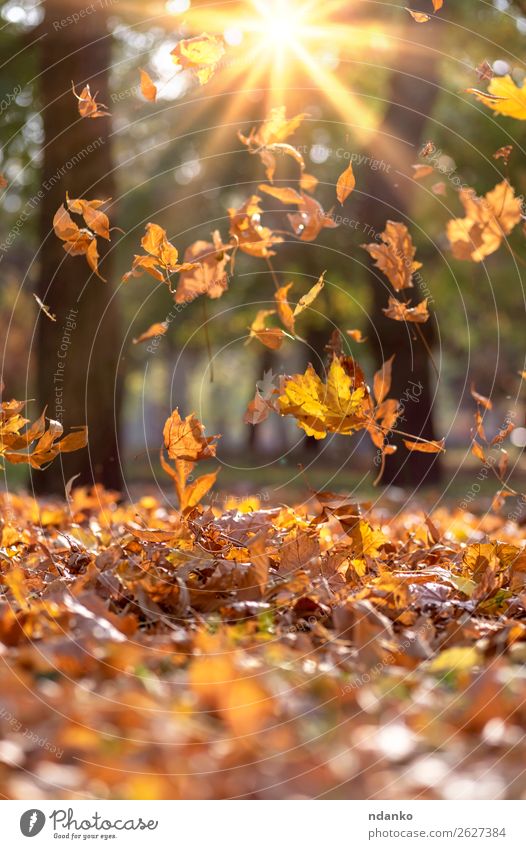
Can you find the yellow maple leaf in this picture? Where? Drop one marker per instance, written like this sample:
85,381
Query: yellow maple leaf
318,407
505,97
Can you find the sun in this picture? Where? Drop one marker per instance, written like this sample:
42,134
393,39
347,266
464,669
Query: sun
280,23
278,50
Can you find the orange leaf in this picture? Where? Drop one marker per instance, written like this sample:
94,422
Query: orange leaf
345,185
157,329
425,447
382,380
148,87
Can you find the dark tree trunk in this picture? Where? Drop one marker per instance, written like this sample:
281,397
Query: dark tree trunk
413,91
78,355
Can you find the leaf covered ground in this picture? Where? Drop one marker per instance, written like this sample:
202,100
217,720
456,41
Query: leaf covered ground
324,650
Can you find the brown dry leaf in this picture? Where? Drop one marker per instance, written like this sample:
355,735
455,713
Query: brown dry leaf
437,5
87,104
77,240
3,182
310,219
44,308
246,227
200,54
485,71
382,380
184,439
488,220
159,328
257,410
284,194
396,256
206,270
399,311
481,399
429,447
504,153
260,562
270,337
161,260
306,300
299,550
345,184
478,451
148,87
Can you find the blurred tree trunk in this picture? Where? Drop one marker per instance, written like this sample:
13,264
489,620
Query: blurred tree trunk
78,355
390,194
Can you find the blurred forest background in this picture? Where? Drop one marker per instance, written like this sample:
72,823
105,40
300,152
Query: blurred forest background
178,162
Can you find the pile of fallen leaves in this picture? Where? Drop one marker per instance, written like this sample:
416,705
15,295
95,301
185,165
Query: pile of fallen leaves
326,649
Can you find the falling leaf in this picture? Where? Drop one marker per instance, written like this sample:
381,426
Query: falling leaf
437,5
205,272
200,54
485,71
285,194
488,220
396,256
504,97
308,182
82,240
148,88
400,311
345,185
382,380
429,447
421,171
335,406
356,335
44,308
419,17
246,227
284,309
3,182
504,153
310,219
481,399
87,104
306,300
162,257
157,329
272,337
